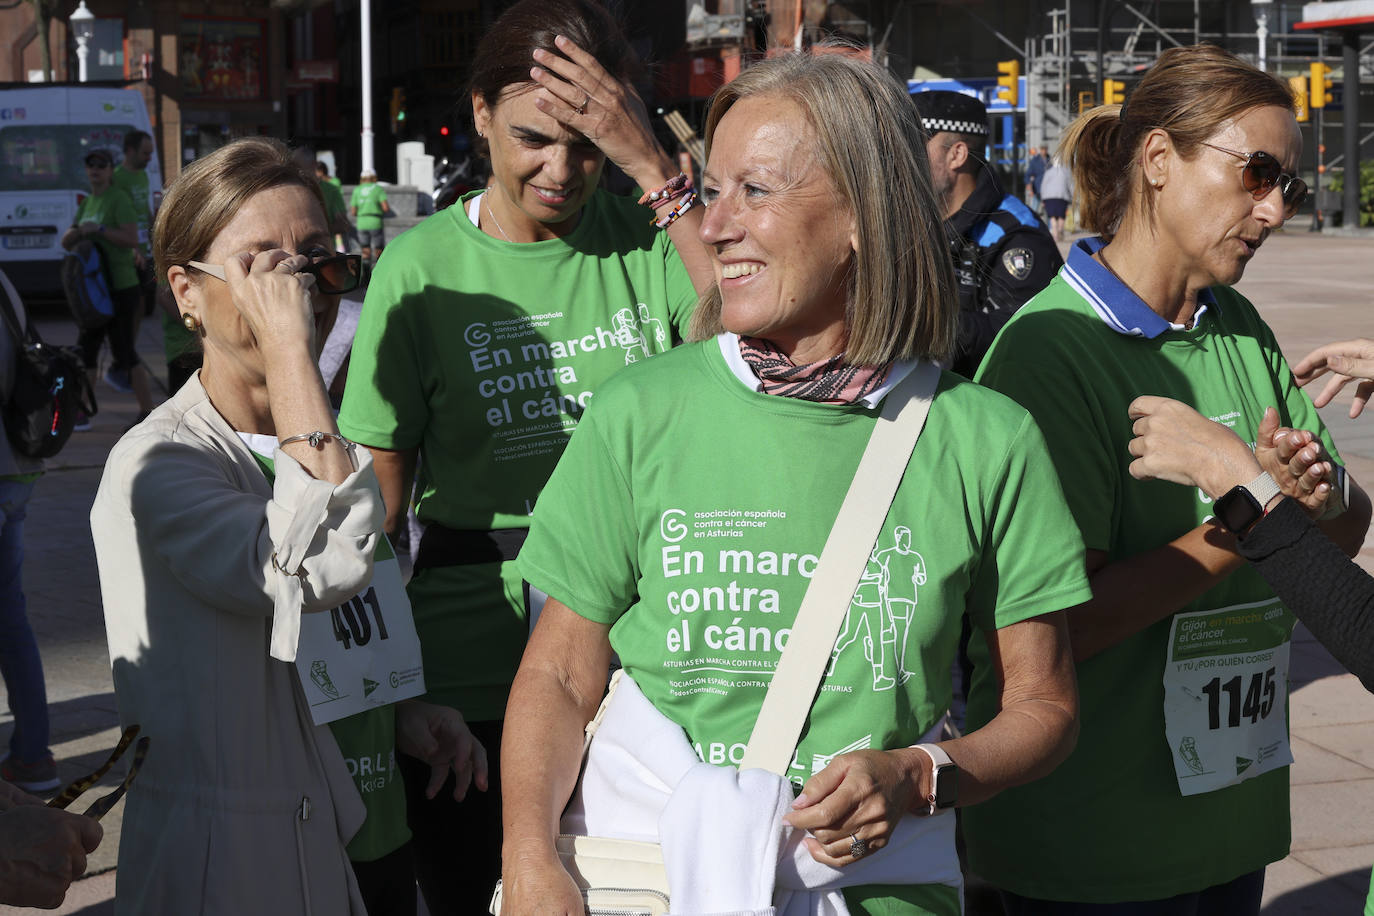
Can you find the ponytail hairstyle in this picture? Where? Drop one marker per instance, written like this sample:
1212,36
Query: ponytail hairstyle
1190,93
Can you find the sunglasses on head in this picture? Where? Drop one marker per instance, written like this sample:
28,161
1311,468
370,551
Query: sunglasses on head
1262,173
334,274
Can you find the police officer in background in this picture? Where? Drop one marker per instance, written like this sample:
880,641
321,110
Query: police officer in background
1003,254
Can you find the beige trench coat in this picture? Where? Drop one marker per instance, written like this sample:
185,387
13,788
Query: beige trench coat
243,805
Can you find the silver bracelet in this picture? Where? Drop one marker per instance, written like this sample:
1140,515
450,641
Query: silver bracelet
315,438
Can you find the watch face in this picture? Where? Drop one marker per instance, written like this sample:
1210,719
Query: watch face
946,786
1238,509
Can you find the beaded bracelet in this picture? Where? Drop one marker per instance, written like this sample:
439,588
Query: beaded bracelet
677,186
676,212
315,438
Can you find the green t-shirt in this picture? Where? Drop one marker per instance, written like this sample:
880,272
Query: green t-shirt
1110,823
367,741
483,354
333,201
368,199
135,184
112,210
177,341
692,525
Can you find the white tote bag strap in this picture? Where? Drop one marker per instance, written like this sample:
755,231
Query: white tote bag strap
842,562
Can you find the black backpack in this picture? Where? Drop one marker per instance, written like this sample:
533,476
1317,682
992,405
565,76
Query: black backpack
50,388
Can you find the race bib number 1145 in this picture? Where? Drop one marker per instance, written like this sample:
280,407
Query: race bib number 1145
1226,694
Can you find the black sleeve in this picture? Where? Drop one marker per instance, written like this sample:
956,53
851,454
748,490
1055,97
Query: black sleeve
1316,580
1009,275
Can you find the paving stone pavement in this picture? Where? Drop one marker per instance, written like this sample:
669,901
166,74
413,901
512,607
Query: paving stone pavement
1310,288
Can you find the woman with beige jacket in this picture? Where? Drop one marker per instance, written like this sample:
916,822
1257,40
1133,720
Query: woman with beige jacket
210,551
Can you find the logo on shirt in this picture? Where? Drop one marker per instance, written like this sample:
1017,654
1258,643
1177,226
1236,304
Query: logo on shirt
639,335
884,605
1018,262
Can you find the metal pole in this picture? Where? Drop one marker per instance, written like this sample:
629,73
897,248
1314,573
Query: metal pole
369,163
1350,127
1317,175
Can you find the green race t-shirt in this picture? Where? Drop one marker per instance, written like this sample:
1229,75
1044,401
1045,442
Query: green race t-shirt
112,210
368,199
484,354
367,741
692,525
135,184
368,744
1110,824
333,201
177,341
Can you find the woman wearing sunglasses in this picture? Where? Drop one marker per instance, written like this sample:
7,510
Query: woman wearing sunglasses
1176,797
226,517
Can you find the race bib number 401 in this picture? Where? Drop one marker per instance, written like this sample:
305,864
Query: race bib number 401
363,653
1226,694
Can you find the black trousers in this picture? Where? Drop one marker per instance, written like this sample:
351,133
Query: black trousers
388,884
120,330
456,845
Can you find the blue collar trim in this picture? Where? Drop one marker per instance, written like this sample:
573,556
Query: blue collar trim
1114,302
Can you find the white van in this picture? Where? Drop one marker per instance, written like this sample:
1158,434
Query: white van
45,134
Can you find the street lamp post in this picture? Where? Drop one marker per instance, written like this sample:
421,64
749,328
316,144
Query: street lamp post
1261,10
83,28
368,164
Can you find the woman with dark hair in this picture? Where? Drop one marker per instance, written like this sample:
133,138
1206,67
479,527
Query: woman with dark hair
1176,797
486,331
659,535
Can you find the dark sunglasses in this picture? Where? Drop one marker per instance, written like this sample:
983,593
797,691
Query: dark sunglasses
335,274
1262,173
102,805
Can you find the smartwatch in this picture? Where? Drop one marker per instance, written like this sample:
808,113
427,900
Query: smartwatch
944,781
1243,505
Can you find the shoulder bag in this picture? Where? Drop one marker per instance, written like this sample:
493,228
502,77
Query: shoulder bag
50,388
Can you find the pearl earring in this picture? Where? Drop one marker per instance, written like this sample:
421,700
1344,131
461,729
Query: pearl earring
190,321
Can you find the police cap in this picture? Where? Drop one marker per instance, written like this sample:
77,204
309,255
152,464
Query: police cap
952,111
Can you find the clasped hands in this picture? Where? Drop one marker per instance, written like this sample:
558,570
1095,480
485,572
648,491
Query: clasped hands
1174,442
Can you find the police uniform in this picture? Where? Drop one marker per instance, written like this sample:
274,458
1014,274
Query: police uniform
1003,254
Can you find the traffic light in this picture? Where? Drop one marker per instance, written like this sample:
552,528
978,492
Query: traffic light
1298,85
1321,85
398,108
1113,92
1009,82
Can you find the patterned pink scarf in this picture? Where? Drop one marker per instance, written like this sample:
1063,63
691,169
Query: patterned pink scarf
827,381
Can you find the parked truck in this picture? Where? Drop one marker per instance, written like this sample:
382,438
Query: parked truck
45,133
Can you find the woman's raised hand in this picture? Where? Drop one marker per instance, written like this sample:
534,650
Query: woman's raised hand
1347,361
1174,442
1297,461
583,97
860,795
273,298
